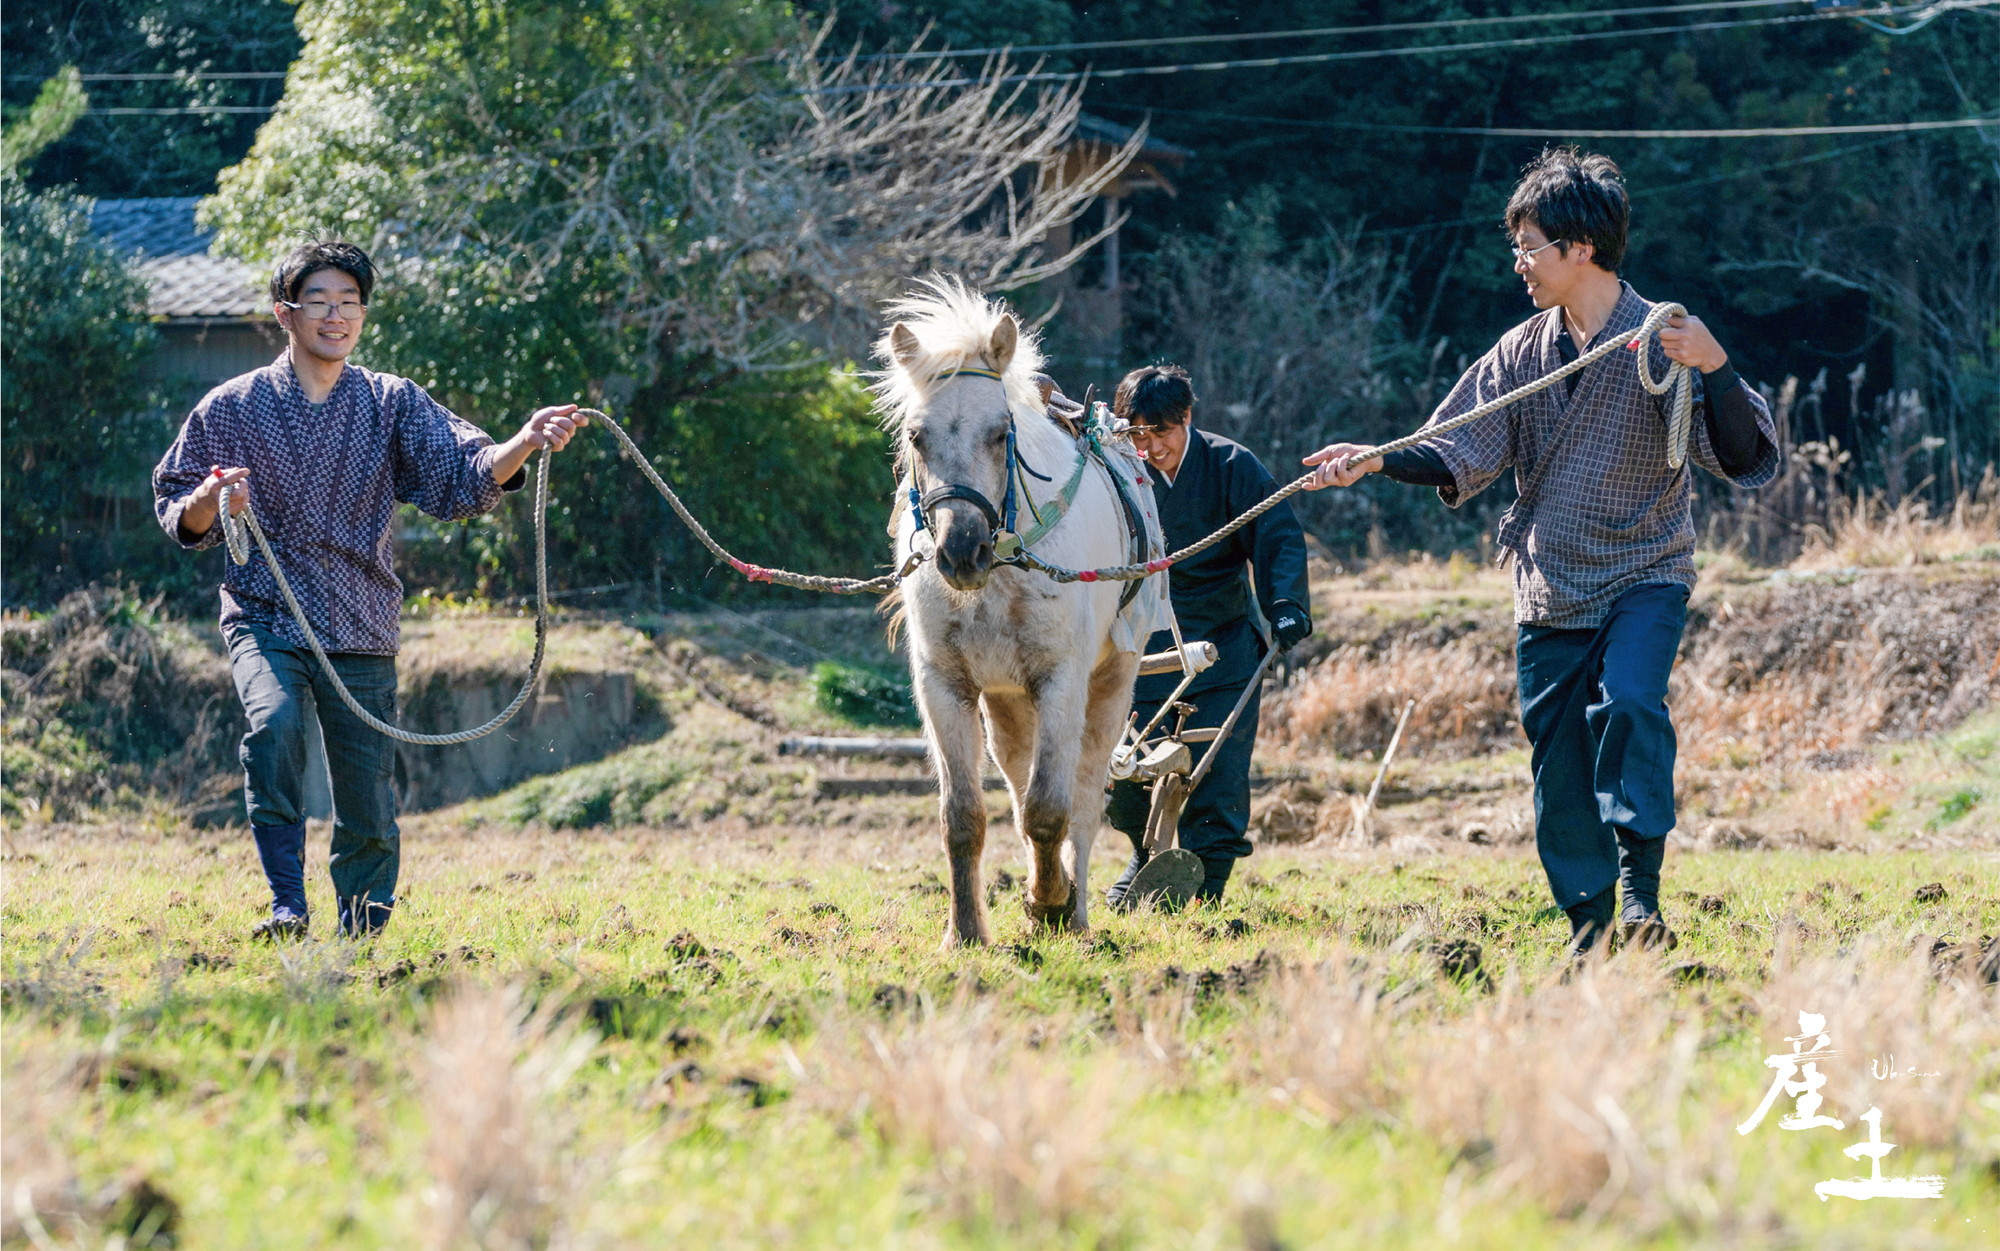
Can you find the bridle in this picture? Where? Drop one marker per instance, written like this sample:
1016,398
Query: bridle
1002,521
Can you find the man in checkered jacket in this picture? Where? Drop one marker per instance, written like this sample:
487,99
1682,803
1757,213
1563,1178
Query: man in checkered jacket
330,449
1602,536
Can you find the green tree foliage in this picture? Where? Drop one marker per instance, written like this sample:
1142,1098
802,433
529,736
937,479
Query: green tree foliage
150,154
1806,253
78,419
641,205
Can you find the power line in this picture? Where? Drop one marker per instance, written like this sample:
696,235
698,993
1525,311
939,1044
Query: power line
171,112
1322,31
1540,132
163,76
1321,58
1691,184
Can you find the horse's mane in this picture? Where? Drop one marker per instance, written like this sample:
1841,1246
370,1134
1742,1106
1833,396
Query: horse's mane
954,326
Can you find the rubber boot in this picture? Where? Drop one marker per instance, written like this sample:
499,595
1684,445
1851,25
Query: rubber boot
282,849
1215,878
1116,897
1639,919
1590,921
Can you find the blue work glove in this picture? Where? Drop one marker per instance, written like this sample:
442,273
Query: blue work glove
1289,625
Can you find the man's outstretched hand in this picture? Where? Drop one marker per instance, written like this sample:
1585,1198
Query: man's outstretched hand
1336,467
205,501
553,427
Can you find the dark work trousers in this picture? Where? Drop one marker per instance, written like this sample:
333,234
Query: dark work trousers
1594,705
1217,816
280,686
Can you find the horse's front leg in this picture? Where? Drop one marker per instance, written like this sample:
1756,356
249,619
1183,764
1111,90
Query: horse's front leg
952,718
1104,724
1045,812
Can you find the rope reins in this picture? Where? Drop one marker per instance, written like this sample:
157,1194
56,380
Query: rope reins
240,531
1679,427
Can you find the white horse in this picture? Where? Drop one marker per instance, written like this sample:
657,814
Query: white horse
1050,666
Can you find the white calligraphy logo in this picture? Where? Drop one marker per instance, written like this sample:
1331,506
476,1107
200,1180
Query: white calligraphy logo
1802,1064
1876,1186
1797,1075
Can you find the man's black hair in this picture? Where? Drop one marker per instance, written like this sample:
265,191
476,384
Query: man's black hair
308,258
1574,198
1154,395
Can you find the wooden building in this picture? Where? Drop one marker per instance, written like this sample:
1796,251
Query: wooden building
213,315
1086,339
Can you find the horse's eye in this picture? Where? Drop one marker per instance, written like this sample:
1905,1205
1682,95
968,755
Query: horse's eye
999,437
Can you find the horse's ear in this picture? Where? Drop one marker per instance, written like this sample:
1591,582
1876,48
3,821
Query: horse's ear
903,345
1006,337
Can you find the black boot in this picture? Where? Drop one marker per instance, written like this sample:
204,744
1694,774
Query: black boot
1215,878
1117,898
282,849
1639,919
363,917
1590,921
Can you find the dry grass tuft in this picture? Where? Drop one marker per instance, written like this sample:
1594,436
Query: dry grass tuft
39,1179
1570,1089
489,1070
1322,1039
1870,532
1465,693
1016,1135
1936,1029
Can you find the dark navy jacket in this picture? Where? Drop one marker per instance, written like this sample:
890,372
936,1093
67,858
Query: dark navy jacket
1218,480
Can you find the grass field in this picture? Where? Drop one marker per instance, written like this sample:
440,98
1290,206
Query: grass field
737,1036
689,995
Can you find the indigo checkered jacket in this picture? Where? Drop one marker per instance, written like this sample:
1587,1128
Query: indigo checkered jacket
1608,514
325,480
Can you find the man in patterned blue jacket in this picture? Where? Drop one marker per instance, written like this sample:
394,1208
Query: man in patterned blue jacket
329,449
1602,535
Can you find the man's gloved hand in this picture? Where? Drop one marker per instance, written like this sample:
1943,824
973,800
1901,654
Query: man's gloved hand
1289,625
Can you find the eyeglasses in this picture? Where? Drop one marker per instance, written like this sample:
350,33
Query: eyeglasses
1528,254
320,310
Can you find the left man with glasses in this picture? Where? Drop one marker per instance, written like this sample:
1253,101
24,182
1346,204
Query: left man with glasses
329,450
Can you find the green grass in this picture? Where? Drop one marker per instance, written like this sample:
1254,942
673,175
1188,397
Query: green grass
737,988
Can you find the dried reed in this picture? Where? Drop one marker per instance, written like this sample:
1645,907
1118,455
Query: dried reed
1016,1136
489,1071
1321,1040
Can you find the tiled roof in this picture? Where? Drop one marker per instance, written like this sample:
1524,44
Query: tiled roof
172,254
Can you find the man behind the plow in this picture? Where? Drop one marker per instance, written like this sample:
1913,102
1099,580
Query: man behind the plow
1202,481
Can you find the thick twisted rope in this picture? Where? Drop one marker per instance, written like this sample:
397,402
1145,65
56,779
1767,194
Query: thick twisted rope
1679,426
234,529
756,573
239,531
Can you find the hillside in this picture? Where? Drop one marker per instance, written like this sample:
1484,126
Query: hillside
1833,708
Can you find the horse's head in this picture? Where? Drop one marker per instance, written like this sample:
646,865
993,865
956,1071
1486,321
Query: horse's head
956,444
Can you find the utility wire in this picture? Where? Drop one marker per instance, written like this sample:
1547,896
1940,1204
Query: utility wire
1318,32
1667,189
1321,58
1546,132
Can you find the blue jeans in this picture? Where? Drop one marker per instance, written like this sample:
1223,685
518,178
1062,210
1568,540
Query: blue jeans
1594,705
280,686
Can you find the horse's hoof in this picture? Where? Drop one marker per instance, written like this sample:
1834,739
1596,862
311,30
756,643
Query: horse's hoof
1056,915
